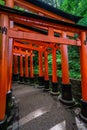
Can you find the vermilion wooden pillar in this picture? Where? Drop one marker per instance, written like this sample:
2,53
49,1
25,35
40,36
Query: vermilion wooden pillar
15,68
66,96
64,59
31,69
54,73
9,79
9,3
10,59
26,69
4,23
21,78
83,56
46,75
41,76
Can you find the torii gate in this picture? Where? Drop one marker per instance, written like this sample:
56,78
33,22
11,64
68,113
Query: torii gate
7,34
30,47
41,78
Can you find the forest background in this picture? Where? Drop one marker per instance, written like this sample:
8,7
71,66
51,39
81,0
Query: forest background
75,7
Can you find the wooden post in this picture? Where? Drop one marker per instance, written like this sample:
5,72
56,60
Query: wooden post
66,96
83,59
10,60
9,3
54,73
15,67
31,68
21,70
4,24
9,79
26,69
46,76
64,59
40,60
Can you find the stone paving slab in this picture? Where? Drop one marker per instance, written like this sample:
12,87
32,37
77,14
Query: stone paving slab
39,110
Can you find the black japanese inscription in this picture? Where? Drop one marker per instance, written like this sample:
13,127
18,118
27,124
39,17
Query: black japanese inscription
3,30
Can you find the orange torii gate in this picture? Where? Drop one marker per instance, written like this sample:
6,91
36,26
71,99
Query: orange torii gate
41,48
18,52
26,52
8,33
41,78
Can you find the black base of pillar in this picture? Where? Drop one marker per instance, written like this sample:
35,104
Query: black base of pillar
3,124
9,104
66,102
21,80
66,95
26,80
15,77
9,108
83,114
41,81
46,85
32,80
55,90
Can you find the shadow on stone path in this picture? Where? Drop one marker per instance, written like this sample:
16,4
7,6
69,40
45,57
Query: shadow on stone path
41,111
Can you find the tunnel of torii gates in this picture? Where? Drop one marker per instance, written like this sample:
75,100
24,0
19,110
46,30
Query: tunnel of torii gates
22,33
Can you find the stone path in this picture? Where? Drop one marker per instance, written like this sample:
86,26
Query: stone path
39,110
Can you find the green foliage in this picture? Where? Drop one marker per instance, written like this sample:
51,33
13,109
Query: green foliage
76,7
74,62
2,2
19,8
